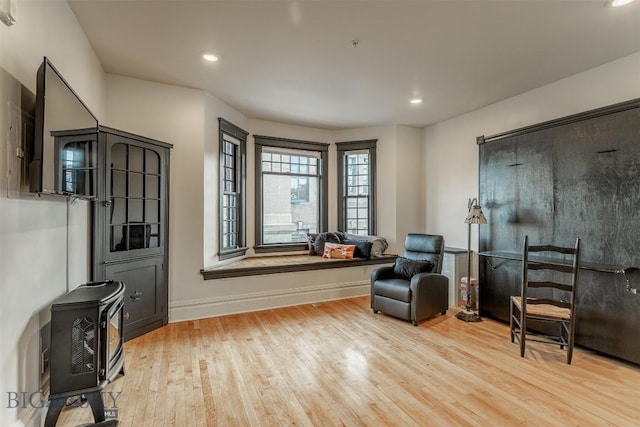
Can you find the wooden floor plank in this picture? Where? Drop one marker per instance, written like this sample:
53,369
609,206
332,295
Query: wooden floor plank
337,363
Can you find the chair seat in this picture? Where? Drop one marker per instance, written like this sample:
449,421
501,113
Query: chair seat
543,310
398,289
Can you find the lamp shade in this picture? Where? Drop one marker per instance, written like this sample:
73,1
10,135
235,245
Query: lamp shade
475,215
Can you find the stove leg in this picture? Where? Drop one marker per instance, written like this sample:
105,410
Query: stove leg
97,405
53,413
56,405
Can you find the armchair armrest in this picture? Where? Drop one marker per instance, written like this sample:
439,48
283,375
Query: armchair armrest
431,294
382,273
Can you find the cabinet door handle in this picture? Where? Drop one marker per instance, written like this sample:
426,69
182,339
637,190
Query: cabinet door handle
106,203
126,316
136,296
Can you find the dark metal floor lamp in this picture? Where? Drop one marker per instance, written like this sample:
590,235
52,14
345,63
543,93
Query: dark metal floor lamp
475,216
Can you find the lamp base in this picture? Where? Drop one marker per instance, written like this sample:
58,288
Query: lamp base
469,316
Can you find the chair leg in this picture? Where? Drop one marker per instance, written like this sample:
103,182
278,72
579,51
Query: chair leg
511,321
570,333
523,332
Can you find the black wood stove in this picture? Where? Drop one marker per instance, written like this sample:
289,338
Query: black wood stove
86,345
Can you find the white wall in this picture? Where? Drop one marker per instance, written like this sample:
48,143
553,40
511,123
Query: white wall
451,154
409,186
43,242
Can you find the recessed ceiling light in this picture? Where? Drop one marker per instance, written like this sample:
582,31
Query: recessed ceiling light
617,3
416,101
209,57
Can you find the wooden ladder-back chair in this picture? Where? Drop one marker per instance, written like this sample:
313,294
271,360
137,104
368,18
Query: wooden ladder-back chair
545,300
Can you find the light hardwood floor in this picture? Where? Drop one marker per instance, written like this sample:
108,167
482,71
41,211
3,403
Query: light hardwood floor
336,363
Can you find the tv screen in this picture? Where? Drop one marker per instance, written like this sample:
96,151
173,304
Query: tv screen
64,155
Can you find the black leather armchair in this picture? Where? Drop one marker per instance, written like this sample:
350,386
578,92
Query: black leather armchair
425,295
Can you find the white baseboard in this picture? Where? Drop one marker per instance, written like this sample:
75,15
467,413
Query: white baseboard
218,306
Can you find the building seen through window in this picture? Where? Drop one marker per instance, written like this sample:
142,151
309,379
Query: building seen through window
232,234
290,185
291,192
356,186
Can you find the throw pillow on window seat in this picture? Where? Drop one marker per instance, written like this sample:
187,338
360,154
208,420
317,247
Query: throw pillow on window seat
323,238
378,244
311,239
407,268
338,251
363,248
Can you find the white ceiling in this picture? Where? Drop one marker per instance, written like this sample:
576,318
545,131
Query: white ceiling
294,62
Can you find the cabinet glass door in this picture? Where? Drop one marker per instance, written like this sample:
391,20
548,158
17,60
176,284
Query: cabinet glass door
135,220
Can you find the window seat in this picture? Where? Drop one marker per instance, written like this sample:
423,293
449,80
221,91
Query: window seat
254,266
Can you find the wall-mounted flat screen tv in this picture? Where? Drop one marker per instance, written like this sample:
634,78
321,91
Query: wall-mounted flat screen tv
65,149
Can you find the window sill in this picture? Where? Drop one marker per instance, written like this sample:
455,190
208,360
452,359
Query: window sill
233,253
255,266
289,247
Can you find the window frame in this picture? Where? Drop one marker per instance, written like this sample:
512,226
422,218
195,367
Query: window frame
261,141
343,148
227,128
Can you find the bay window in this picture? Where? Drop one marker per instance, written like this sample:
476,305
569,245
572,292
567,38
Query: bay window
232,234
291,192
356,187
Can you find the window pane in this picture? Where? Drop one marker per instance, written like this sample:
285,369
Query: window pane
119,156
118,211
154,236
152,186
299,190
136,159
118,183
135,210
136,185
153,162
232,174
138,234
117,241
285,219
152,211
357,178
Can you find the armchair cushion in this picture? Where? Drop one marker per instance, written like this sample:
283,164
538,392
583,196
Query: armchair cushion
397,289
407,268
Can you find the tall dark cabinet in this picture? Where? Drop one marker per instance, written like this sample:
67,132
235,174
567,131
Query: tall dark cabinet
131,229
577,176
